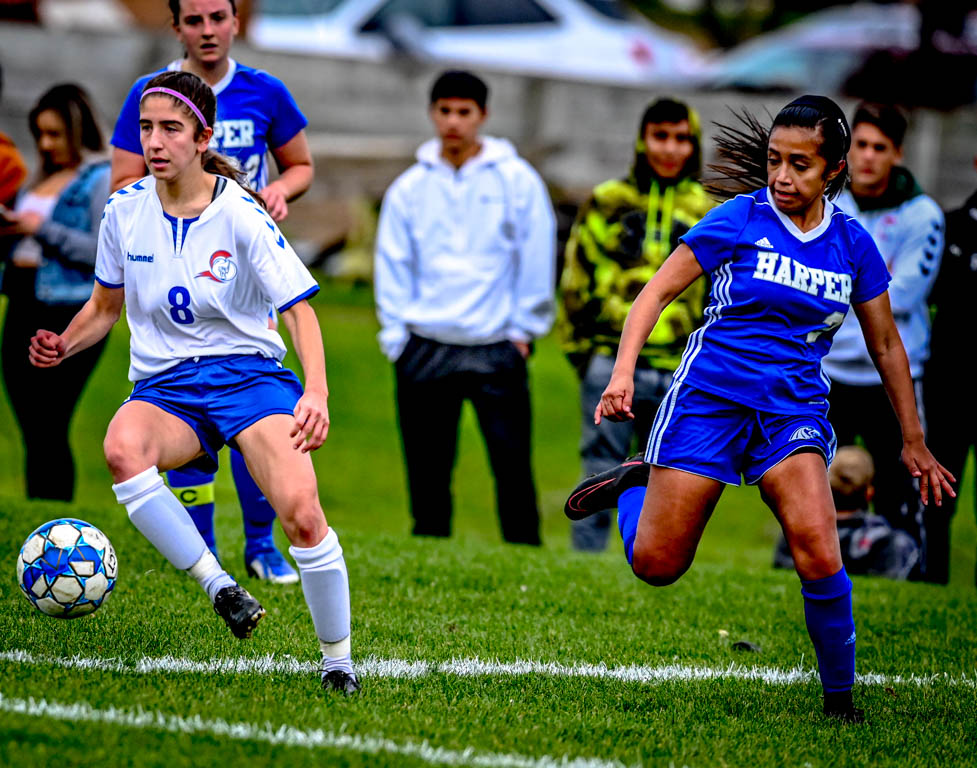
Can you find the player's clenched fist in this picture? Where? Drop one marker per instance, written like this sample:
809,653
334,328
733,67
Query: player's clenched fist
615,403
47,349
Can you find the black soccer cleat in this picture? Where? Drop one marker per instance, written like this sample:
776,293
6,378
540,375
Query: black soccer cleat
840,707
338,680
601,491
240,611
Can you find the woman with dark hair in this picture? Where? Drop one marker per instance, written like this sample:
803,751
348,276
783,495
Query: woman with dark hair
749,397
48,242
196,260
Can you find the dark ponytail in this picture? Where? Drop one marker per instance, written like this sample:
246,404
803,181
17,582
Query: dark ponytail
202,97
743,148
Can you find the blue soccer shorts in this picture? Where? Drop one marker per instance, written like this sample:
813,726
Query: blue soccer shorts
707,435
220,396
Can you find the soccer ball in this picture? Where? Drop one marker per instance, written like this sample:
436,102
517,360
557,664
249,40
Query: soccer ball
67,568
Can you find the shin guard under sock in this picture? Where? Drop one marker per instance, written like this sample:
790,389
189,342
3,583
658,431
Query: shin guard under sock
827,608
160,517
326,587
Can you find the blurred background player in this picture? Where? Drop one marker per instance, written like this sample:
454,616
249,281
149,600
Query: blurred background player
869,545
255,115
48,242
465,262
621,237
951,408
907,226
748,398
195,259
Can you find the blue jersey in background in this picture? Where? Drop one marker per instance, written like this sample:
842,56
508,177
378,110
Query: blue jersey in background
778,296
255,113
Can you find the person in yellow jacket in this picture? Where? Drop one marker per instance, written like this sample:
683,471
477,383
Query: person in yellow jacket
621,237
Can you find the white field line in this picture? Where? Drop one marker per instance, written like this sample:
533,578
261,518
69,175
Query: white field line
288,735
372,666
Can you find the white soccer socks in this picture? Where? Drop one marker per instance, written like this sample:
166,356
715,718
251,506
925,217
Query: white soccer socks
162,519
326,587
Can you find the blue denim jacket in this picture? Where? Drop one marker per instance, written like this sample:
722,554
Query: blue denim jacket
69,238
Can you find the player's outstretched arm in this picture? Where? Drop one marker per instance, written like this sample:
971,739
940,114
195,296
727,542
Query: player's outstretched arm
311,412
92,323
678,272
885,347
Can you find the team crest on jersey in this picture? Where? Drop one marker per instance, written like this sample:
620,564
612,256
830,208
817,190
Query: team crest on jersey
804,433
222,269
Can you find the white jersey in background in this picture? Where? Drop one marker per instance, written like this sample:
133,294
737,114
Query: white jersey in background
467,255
201,286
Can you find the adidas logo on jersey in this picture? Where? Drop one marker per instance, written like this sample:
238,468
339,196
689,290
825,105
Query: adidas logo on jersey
764,243
804,433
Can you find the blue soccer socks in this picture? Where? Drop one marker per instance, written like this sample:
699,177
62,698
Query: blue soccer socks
195,490
257,512
629,506
827,608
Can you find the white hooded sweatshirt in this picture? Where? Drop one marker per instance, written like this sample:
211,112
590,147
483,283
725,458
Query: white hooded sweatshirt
465,256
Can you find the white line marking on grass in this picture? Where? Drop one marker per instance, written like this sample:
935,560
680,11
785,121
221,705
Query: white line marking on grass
288,735
372,666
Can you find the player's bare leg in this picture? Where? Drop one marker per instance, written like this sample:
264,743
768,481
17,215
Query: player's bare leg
141,440
287,478
676,508
798,492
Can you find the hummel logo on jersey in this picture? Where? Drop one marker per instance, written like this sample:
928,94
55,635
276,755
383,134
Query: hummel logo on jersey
804,433
222,269
764,243
148,258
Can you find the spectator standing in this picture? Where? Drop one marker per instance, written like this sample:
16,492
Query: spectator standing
48,242
951,408
869,545
465,263
907,226
621,237
255,115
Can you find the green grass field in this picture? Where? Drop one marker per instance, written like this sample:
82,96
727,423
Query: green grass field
612,671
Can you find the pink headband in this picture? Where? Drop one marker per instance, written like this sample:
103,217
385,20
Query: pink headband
176,95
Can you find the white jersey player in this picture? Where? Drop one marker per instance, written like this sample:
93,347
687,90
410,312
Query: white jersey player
197,262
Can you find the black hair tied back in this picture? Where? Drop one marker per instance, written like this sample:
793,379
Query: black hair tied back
742,148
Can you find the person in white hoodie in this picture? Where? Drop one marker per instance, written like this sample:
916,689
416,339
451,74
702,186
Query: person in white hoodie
907,226
464,280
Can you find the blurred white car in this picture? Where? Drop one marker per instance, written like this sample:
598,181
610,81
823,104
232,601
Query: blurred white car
579,39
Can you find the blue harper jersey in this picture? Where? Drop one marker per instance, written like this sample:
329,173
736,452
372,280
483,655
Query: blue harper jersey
255,113
778,296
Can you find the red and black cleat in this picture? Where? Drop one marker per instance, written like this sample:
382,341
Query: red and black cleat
601,491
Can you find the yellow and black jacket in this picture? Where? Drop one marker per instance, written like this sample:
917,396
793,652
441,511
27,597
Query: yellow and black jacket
621,237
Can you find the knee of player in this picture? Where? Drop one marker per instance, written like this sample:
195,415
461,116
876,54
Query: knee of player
304,524
124,455
654,570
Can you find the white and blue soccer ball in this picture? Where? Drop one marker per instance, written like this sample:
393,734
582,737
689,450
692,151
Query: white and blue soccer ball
67,568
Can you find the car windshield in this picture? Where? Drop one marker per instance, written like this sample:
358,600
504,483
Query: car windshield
298,7
610,8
